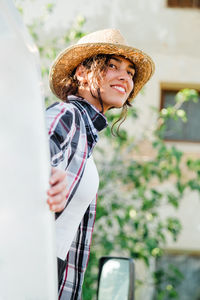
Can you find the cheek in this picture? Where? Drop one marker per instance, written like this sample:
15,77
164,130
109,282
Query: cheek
131,85
109,75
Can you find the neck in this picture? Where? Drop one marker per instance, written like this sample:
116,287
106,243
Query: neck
87,95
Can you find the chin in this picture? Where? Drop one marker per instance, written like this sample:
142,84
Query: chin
115,103
119,104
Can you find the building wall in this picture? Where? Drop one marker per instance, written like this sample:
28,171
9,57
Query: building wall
148,25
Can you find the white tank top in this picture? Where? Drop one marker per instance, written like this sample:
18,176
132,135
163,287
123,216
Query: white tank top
68,222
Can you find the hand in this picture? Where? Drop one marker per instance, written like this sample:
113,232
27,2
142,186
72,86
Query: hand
57,191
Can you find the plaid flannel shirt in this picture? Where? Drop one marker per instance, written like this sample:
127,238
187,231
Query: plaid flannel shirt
73,132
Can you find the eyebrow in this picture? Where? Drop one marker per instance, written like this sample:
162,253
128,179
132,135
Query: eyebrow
119,60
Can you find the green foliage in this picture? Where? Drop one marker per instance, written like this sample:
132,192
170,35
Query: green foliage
166,282
132,190
175,112
131,193
50,7
50,44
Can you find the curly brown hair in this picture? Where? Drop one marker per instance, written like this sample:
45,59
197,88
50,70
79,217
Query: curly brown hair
98,65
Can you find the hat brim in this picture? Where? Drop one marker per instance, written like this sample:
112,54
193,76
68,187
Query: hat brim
71,57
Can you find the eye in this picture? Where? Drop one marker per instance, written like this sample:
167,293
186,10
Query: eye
112,66
130,74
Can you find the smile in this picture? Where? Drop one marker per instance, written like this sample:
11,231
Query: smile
119,88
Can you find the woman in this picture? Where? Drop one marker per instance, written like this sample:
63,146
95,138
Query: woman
100,72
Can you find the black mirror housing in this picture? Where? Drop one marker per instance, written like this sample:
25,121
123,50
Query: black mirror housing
116,278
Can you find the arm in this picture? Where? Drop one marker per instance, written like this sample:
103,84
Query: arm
57,191
60,124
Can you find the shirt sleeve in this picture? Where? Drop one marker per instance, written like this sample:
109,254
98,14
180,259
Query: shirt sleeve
61,129
68,143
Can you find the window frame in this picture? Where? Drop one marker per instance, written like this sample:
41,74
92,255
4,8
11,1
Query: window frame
177,252
177,4
163,90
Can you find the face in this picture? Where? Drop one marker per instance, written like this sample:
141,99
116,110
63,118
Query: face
115,85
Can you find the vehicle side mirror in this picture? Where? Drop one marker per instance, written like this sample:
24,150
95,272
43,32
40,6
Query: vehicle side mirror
116,278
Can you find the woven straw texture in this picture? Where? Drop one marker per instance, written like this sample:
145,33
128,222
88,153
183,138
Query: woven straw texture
112,42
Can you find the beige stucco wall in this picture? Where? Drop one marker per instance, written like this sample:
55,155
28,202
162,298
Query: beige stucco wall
179,71
146,24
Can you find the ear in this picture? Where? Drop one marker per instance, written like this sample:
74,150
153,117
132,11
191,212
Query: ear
81,74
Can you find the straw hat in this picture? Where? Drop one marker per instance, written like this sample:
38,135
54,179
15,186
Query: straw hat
108,41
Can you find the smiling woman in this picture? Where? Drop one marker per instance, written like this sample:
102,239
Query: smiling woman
112,87
100,72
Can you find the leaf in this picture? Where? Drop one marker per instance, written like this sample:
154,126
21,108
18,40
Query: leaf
173,200
50,7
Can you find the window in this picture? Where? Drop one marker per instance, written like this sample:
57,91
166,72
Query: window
187,283
179,130
184,3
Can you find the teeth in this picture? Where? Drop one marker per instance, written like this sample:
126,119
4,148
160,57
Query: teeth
119,88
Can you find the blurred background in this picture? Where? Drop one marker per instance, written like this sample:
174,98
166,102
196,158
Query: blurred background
149,196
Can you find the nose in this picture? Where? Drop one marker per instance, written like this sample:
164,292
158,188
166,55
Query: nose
125,77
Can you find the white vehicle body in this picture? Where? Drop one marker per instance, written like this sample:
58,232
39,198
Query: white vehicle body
27,251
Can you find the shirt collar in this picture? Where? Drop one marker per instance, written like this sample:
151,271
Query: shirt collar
93,119
98,119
